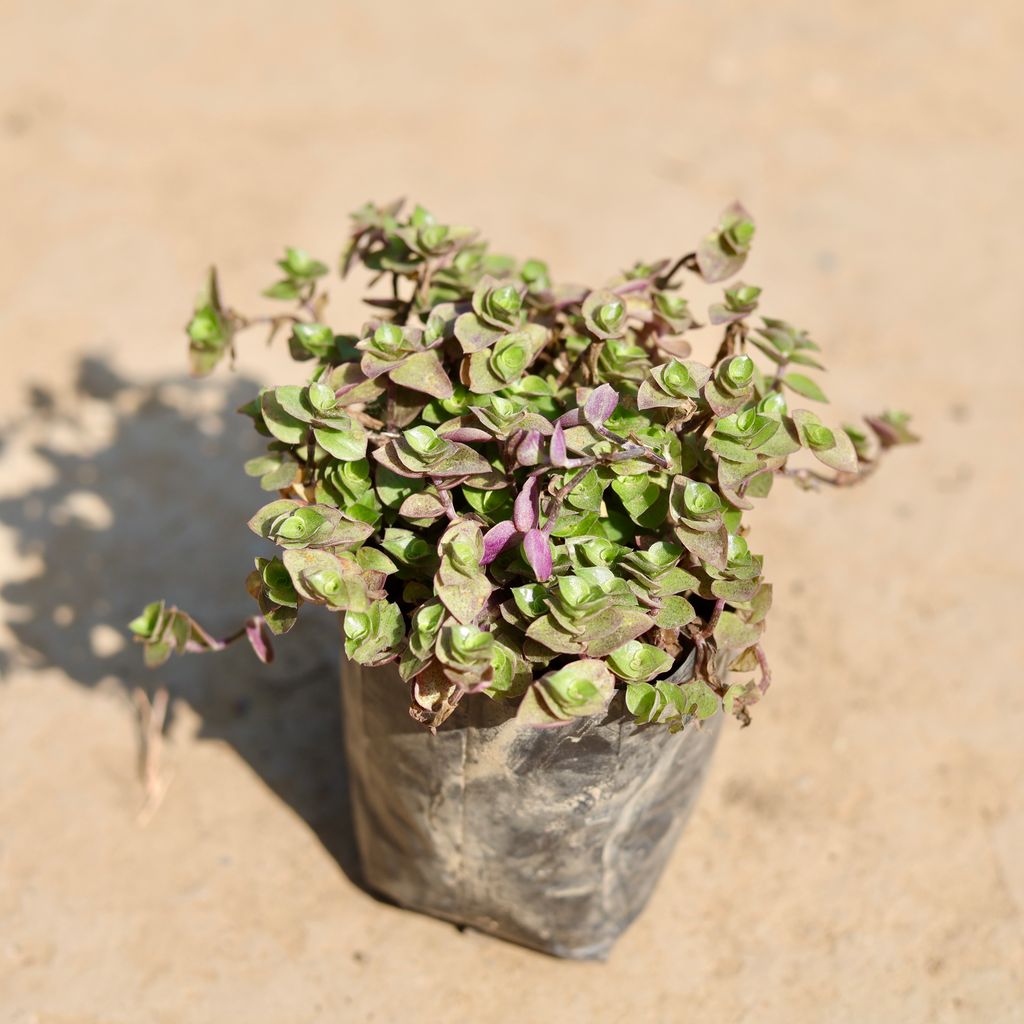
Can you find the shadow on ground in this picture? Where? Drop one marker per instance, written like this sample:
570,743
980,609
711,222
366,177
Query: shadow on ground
143,496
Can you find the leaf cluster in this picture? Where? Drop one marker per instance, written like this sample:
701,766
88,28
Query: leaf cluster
529,490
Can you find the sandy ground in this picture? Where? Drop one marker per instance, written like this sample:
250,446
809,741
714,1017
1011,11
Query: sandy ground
858,855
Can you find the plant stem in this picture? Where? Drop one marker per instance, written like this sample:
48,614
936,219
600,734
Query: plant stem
689,261
766,672
716,614
558,498
563,378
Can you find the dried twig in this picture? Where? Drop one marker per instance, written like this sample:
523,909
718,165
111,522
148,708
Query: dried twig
152,715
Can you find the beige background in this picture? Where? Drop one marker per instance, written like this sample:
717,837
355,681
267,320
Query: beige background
859,852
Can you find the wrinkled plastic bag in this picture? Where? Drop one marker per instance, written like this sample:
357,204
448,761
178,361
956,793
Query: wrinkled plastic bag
552,838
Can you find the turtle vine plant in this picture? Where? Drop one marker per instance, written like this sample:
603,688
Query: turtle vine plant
525,490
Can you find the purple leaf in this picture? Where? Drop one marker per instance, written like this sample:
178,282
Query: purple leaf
259,636
525,510
467,435
538,554
600,404
558,452
346,388
496,539
527,447
572,418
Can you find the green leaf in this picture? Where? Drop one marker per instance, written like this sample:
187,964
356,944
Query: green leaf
275,470
292,399
279,619
282,290
531,599
675,612
699,699
145,624
641,699
154,654
733,634
804,386
297,263
282,424
613,628
586,495
347,443
316,340
548,632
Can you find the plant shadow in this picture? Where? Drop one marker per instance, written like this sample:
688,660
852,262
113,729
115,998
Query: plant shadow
142,497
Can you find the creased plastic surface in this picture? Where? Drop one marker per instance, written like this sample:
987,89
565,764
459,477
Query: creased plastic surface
552,838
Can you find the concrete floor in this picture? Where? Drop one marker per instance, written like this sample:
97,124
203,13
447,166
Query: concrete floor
858,855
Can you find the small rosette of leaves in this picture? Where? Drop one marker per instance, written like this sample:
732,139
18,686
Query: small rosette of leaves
270,584
466,653
210,331
659,582
724,251
291,524
676,384
671,312
590,612
349,486
338,581
605,314
422,453
372,637
505,362
300,272
622,362
579,690
638,662
461,582
732,385
406,357
740,301
833,448
430,240
738,579
698,511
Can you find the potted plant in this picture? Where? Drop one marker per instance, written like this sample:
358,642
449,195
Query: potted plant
527,501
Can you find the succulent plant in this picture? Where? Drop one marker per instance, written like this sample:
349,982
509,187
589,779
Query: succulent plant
525,491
